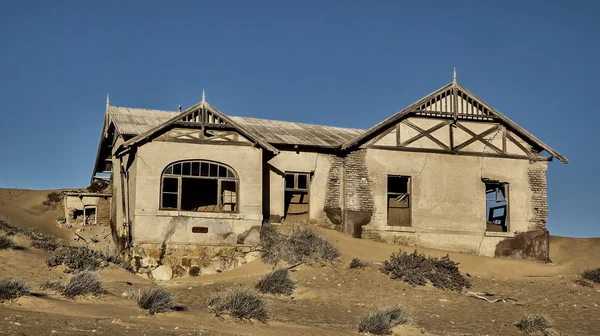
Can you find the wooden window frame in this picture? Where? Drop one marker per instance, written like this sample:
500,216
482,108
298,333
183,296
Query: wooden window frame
408,193
295,188
220,179
506,200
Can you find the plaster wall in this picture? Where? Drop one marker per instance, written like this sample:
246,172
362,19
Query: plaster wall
448,206
152,225
318,164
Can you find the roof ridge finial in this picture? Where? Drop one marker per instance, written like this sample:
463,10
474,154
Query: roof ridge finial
107,100
454,78
203,96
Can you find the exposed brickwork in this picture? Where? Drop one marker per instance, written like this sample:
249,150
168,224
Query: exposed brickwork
332,207
357,193
539,201
103,211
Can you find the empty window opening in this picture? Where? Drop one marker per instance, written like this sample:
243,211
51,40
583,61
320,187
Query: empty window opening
199,186
199,229
398,200
496,199
297,197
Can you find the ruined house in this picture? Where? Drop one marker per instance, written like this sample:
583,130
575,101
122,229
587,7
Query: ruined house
192,188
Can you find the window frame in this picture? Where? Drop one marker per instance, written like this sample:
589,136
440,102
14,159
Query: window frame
220,179
506,200
408,193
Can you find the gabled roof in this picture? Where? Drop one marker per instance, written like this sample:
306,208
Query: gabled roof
451,101
133,121
193,113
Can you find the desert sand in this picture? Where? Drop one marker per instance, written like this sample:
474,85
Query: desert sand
327,301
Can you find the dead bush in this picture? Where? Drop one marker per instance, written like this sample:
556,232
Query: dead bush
13,288
276,282
8,229
357,263
53,198
239,303
6,243
57,285
83,283
381,321
98,186
155,299
417,269
42,241
592,275
532,323
77,258
303,245
194,271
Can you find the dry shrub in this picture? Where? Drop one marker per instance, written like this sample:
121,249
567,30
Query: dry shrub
42,241
53,198
13,288
98,186
592,275
239,303
57,285
6,243
417,269
357,263
381,321
532,323
155,299
194,271
8,229
83,283
77,258
303,245
276,282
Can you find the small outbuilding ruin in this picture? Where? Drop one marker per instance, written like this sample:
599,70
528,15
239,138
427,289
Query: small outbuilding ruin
192,188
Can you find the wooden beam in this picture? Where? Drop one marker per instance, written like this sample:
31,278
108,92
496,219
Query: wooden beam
462,153
426,133
479,137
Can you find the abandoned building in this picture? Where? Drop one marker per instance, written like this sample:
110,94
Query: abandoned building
447,172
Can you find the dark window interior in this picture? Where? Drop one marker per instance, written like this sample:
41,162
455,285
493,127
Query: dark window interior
199,186
296,202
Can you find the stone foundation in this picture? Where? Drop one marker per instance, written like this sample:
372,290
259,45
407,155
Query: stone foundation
186,260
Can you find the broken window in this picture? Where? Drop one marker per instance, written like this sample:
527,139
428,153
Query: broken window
496,199
297,196
199,186
398,200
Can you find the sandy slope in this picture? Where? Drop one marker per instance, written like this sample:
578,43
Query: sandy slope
327,301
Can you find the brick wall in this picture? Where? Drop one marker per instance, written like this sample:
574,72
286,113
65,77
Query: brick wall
537,183
357,193
103,212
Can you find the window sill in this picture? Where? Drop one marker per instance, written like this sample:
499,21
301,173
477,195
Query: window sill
499,234
400,228
195,214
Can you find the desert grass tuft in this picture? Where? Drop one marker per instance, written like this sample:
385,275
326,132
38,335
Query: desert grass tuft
276,282
239,303
6,243
357,263
155,299
77,258
532,323
303,245
13,288
83,283
592,275
381,321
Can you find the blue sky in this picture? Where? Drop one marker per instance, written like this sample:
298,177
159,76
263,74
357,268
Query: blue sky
341,63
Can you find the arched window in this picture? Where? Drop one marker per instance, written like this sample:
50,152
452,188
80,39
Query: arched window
199,186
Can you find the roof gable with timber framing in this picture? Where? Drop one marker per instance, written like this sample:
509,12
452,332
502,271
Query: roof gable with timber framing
201,116
462,117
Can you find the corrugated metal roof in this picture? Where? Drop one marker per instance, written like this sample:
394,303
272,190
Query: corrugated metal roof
133,121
